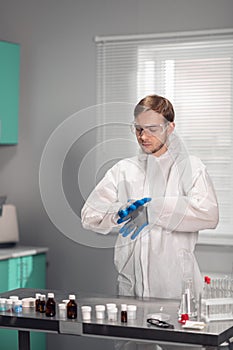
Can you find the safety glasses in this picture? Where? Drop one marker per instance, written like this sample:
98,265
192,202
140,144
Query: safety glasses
153,129
158,323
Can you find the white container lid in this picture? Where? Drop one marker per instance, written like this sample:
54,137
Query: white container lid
3,300
65,301
9,301
86,308
132,307
110,305
113,310
100,307
72,297
28,302
14,297
37,296
50,295
18,302
62,306
123,307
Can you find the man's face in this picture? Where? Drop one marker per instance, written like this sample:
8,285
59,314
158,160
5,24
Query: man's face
152,131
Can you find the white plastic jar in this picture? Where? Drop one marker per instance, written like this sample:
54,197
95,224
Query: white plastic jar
110,306
112,314
29,302
86,312
9,305
131,312
62,310
14,298
100,312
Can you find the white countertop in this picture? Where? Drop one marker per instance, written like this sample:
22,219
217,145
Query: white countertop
19,251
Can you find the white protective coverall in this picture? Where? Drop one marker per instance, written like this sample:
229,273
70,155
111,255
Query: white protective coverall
158,261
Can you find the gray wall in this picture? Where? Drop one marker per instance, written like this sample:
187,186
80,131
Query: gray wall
58,79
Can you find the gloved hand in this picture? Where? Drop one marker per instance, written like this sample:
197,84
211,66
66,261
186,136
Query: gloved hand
135,216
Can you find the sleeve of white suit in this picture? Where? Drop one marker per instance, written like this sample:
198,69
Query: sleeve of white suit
195,210
99,212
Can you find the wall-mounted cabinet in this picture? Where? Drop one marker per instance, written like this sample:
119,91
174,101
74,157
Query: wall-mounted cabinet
9,92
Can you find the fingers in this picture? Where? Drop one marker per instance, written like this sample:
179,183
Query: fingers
126,230
132,207
124,212
136,233
140,202
123,219
147,199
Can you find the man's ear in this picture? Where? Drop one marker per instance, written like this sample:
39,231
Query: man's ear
171,127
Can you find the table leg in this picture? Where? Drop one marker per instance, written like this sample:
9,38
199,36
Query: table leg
23,340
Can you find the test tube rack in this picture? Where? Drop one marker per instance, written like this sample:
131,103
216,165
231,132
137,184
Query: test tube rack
217,309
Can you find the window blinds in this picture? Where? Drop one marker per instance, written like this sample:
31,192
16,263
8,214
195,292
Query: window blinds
195,71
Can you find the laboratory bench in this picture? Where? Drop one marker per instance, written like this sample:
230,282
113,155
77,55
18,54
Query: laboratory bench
211,337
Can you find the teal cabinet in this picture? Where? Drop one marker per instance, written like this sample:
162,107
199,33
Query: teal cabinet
9,92
22,272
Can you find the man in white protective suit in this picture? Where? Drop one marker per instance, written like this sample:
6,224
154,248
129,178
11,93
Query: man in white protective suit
154,251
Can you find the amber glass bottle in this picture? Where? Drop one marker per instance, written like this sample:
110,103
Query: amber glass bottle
124,313
50,310
72,307
37,302
42,305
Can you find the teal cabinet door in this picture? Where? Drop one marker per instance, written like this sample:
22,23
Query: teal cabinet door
9,92
14,273
33,271
10,274
23,272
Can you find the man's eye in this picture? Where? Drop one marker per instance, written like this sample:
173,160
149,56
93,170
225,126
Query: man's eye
153,128
138,128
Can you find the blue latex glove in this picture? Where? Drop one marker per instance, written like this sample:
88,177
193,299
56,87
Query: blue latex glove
135,216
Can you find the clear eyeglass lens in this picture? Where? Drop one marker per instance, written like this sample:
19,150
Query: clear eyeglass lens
149,129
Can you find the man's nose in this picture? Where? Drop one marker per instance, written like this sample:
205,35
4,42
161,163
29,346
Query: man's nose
143,133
